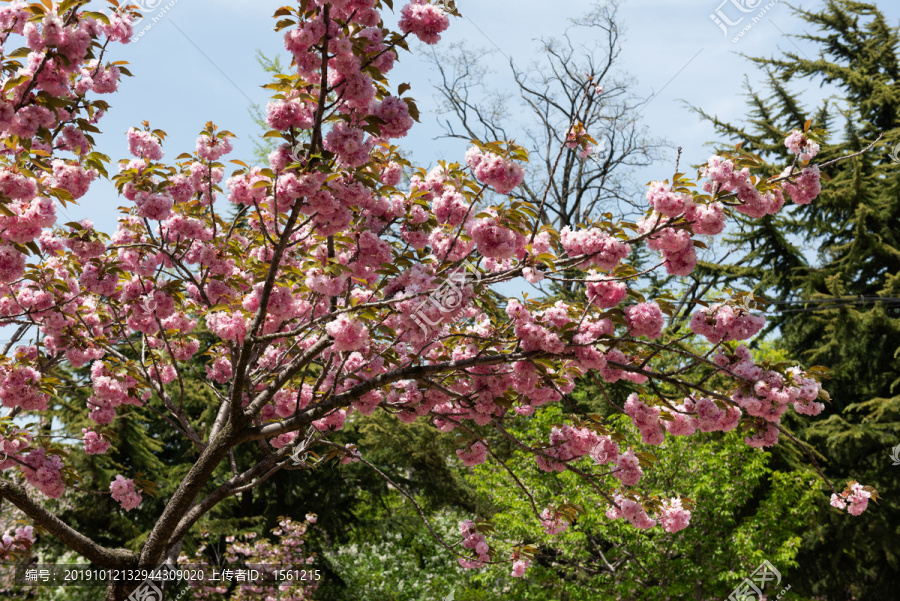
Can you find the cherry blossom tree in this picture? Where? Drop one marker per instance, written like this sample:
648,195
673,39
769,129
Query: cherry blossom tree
327,292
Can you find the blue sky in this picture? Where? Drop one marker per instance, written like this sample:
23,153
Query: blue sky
197,63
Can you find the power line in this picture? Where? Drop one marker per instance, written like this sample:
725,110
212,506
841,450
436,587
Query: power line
833,303
854,299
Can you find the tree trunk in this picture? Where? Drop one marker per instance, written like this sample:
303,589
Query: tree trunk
118,591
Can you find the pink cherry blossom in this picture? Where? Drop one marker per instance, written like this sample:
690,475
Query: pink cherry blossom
645,419
474,454
553,522
44,472
492,239
798,143
285,114
673,516
601,249
519,567
349,144
212,148
664,200
12,264
645,319
124,491
706,219
94,444
143,144
495,171
349,334
805,188
855,498
475,542
628,470
395,114
604,292
425,20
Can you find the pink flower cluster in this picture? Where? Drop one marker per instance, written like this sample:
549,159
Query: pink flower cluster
674,243
645,418
798,143
475,542
212,148
352,455
349,334
144,145
110,391
28,219
19,387
12,264
425,20
605,292
645,319
74,179
605,451
706,219
672,516
721,322
533,330
94,444
589,332
17,186
495,171
628,469
567,444
474,454
665,201
855,498
392,174
395,114
123,490
701,414
723,177
349,144
577,137
450,207
768,393
632,511
152,205
805,188
668,236
519,567
492,239
285,114
227,326
553,522
19,540
332,422
600,249
12,445
44,472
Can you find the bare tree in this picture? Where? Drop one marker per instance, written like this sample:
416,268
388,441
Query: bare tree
551,92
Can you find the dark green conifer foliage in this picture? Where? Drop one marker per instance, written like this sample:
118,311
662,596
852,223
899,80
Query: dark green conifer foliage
842,255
